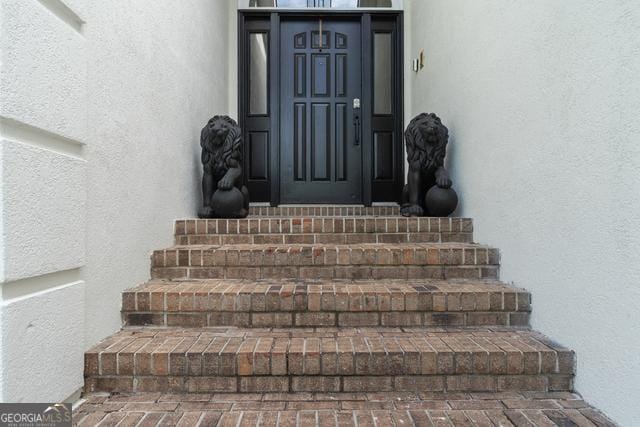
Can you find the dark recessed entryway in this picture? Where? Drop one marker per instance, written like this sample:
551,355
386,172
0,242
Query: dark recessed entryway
321,106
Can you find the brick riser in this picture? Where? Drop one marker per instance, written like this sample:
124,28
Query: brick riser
315,304
322,319
338,272
319,238
333,384
310,230
325,361
417,261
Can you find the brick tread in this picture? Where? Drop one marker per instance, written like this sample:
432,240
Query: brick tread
306,303
297,225
339,409
328,359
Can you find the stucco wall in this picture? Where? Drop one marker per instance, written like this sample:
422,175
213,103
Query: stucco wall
101,104
542,99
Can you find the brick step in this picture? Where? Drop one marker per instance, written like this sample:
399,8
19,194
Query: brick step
310,303
327,360
363,261
309,230
325,210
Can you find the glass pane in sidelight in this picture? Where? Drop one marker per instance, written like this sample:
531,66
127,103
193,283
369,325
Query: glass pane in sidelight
258,63
382,74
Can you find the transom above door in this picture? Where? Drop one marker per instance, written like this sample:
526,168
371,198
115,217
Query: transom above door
321,107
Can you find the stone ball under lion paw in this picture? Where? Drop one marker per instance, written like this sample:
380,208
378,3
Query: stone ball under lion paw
441,201
228,203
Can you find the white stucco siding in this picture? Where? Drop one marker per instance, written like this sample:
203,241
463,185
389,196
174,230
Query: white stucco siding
43,129
101,106
43,76
44,211
42,357
156,75
542,100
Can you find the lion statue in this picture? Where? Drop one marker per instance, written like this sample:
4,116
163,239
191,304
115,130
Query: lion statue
223,194
426,138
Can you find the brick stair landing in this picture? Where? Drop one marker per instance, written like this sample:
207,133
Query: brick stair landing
328,360
314,303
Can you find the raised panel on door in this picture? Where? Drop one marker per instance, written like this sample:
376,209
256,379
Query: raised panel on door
341,142
383,156
341,75
300,75
300,141
258,155
320,142
320,75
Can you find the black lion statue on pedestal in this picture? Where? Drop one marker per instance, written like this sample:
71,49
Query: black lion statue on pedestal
428,189
223,194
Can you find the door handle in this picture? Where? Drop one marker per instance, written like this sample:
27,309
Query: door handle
356,120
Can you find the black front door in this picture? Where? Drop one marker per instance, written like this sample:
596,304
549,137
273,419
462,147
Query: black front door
320,119
303,140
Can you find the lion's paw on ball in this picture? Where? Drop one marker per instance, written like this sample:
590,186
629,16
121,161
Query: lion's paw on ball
441,201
